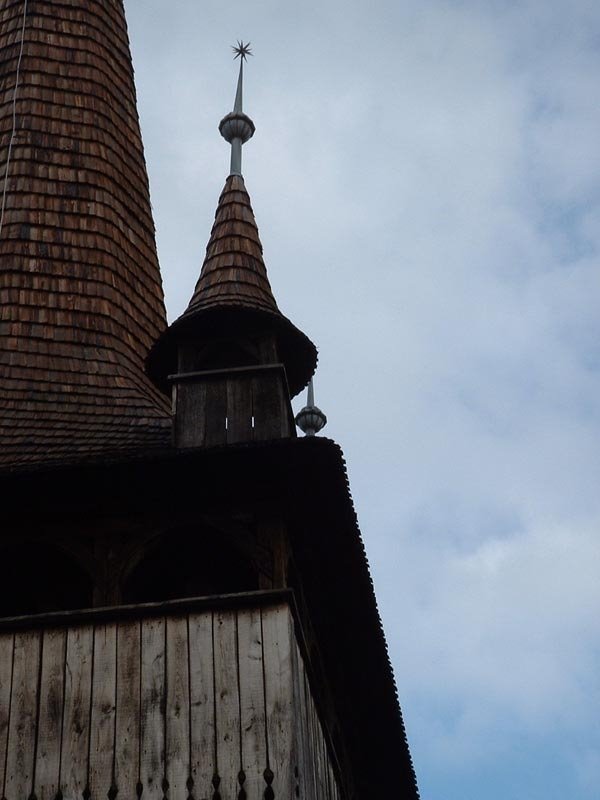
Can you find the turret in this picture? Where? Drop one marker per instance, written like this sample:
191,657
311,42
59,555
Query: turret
232,361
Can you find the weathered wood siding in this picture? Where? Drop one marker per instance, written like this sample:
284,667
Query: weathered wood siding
208,704
230,406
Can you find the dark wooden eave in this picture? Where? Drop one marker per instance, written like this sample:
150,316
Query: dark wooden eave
306,479
81,299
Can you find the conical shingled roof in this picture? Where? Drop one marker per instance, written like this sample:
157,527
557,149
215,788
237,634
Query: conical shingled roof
80,288
233,272
233,295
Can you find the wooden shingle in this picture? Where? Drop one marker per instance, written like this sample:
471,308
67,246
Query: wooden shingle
233,272
81,299
233,296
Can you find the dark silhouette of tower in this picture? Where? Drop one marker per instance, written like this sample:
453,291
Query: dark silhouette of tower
186,609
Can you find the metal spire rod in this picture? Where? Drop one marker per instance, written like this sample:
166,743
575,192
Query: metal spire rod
237,106
310,419
237,127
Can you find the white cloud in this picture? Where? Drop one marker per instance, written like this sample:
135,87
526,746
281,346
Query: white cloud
426,181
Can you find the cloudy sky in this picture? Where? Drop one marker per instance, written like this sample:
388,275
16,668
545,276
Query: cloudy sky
426,180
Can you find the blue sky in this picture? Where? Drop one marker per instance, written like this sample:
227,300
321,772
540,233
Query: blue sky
426,180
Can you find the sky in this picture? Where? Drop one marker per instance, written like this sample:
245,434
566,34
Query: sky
426,181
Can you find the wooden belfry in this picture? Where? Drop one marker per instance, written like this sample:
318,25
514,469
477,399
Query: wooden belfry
186,611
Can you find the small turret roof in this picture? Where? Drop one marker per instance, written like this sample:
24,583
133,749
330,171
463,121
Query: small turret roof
233,296
233,272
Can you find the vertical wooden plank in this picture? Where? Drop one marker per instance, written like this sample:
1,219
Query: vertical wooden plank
51,714
327,768
202,704
239,409
216,412
277,655
324,761
311,738
252,702
190,419
127,754
23,719
266,404
311,765
152,717
316,749
76,719
6,668
332,781
178,708
227,703
301,769
104,699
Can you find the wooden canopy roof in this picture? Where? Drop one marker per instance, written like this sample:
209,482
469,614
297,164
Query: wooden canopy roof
233,293
81,300
233,272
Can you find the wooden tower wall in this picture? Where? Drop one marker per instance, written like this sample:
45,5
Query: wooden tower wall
179,703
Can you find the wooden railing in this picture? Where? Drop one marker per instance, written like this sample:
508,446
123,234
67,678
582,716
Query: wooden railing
187,700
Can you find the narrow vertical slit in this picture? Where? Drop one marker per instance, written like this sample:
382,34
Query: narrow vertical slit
38,703
12,673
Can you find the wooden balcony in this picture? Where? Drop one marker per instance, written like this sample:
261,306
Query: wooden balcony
204,699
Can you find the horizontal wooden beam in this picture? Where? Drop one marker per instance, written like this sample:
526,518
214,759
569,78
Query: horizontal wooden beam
223,373
54,619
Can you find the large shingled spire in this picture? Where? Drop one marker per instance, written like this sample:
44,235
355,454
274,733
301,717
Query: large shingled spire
81,295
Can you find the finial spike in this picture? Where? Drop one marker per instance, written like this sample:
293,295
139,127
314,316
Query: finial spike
237,106
237,127
310,419
310,400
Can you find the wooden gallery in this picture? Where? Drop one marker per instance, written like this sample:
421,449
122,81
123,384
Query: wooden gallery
186,611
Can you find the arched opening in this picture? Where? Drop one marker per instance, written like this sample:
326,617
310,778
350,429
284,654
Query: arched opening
190,563
38,577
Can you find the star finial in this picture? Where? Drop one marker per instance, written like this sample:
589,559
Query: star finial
237,127
242,50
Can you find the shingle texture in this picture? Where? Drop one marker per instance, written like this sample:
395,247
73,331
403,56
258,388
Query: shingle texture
233,294
233,272
80,292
